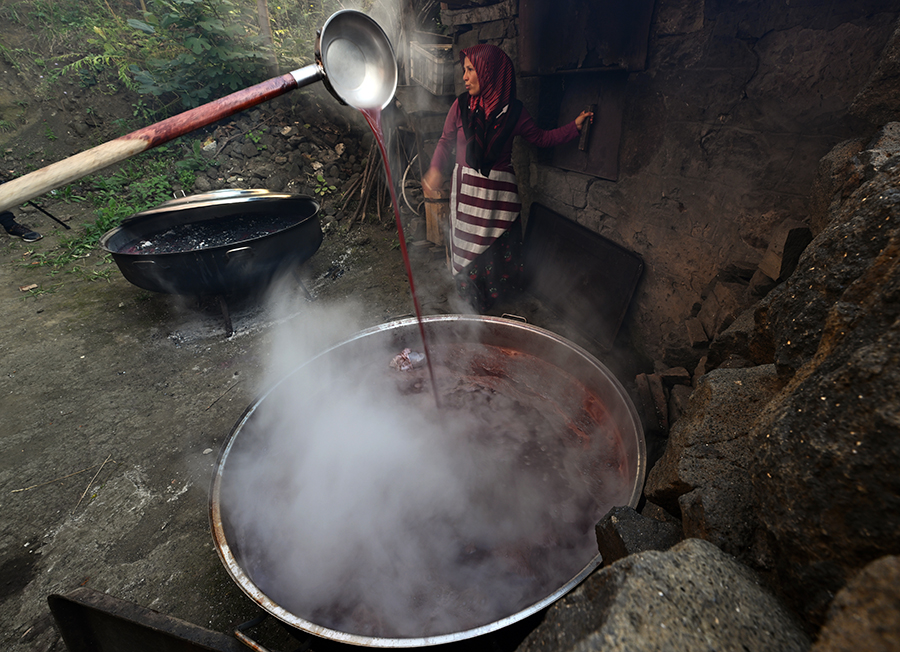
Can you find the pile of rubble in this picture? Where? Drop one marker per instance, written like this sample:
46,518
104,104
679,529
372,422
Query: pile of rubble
775,497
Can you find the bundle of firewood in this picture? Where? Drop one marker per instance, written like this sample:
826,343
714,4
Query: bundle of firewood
370,186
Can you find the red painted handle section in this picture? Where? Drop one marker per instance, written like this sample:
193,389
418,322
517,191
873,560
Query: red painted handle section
18,191
179,125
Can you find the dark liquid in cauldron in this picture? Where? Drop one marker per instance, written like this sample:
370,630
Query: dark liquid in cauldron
208,234
491,515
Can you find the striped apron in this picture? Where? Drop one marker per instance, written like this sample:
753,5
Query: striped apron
481,210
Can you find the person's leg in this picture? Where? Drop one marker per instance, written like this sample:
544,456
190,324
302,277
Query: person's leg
8,222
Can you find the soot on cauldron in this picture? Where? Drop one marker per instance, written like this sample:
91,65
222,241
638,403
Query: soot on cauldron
205,235
388,519
216,243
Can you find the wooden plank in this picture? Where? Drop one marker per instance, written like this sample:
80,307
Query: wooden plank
600,156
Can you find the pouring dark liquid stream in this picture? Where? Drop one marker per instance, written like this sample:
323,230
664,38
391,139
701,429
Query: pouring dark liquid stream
373,117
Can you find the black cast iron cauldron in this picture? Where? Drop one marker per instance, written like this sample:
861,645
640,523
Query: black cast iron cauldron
306,492
216,243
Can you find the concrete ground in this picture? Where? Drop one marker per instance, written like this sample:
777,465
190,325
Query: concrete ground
115,402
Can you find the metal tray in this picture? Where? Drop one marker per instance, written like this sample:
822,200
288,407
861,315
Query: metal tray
588,280
90,621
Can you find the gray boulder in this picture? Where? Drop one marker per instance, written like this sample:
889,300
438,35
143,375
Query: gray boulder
836,178
704,475
623,532
692,597
866,612
826,491
793,315
791,466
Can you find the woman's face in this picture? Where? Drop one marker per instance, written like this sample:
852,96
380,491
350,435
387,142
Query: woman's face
470,78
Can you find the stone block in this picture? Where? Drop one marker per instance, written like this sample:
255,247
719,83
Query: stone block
675,376
696,333
654,511
701,368
724,303
684,345
652,403
679,396
623,532
476,15
741,339
708,315
690,597
835,179
761,285
493,30
710,444
787,243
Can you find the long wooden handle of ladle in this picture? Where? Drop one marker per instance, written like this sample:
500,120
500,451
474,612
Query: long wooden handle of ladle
34,184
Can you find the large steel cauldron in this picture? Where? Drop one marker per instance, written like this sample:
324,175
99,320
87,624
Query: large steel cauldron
558,429
216,243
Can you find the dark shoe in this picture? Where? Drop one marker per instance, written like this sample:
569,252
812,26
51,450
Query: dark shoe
24,232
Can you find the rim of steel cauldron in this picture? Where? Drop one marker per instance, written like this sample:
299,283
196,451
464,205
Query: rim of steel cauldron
217,276
260,598
191,203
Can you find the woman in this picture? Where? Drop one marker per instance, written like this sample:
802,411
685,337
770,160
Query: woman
485,229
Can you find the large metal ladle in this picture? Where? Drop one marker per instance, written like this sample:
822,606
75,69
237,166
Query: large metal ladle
354,58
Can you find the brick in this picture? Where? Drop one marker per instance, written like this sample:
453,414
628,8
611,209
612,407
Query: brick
696,333
623,532
788,241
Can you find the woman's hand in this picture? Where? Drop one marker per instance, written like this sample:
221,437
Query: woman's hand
584,115
432,182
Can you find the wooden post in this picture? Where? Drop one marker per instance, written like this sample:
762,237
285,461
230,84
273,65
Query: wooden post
437,215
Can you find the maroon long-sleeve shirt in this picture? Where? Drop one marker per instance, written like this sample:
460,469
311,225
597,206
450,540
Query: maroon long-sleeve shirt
525,127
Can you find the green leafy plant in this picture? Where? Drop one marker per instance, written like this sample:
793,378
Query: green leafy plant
140,183
67,194
322,187
144,113
206,49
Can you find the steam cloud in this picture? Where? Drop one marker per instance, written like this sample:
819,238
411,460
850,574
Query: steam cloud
356,505
352,502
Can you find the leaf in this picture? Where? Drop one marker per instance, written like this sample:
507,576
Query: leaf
196,44
141,25
212,25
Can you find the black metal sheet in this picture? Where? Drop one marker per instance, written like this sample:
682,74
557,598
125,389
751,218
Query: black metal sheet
90,621
606,90
565,35
588,280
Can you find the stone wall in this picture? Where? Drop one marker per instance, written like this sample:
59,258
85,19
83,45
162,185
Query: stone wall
721,134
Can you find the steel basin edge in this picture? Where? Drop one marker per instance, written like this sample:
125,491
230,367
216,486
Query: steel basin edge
221,269
492,330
